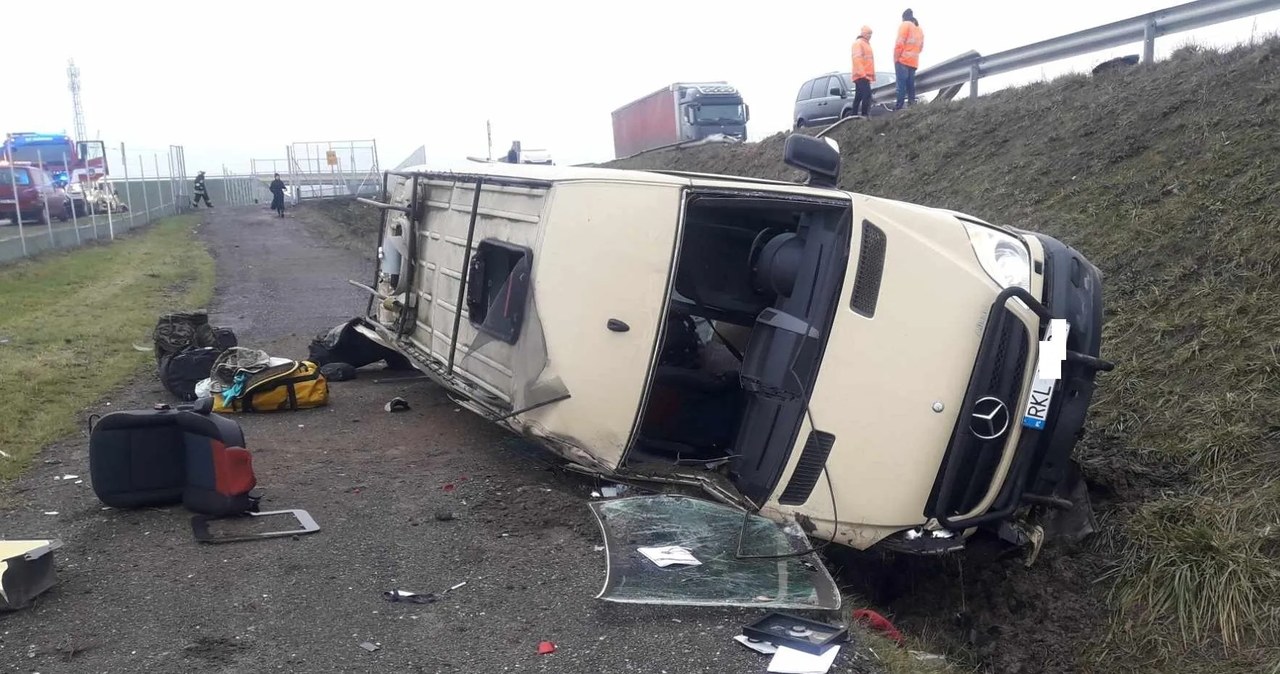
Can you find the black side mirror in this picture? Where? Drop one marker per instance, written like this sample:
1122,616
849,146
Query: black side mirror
835,91
820,157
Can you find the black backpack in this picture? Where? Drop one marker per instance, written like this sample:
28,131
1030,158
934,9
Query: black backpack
180,372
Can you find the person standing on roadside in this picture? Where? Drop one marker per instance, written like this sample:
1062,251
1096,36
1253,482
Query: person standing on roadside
906,58
277,195
864,73
201,192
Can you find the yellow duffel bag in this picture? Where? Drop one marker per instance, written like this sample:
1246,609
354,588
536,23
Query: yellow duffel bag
296,385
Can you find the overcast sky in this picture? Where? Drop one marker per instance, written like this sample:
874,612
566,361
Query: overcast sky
231,80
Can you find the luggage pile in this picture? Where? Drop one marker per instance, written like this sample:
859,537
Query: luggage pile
186,347
195,360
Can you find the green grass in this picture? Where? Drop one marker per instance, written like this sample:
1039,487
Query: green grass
72,319
1166,176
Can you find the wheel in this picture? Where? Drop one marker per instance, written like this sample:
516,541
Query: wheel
799,124
65,215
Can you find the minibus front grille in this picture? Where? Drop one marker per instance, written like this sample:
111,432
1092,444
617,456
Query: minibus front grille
813,458
971,460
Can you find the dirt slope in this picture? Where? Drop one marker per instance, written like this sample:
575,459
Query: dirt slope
1168,178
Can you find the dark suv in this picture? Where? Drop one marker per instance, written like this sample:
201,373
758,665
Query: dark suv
37,196
826,99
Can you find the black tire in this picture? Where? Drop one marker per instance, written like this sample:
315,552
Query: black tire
65,215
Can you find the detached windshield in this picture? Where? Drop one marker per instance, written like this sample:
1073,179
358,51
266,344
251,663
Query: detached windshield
720,114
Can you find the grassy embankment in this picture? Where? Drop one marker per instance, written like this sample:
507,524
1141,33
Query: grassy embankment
70,320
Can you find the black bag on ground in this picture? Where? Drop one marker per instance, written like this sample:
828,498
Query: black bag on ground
343,344
179,373
162,457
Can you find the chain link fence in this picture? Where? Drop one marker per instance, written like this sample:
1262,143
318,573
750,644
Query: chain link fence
62,201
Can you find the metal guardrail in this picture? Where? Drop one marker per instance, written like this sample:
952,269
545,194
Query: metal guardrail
1143,28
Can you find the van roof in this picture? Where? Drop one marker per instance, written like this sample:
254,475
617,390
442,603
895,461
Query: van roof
541,172
551,174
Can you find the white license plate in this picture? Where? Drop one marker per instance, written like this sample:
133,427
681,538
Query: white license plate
1037,409
1038,403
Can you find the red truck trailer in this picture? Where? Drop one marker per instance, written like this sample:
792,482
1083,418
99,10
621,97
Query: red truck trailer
677,113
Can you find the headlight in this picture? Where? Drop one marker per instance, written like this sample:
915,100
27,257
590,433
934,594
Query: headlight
1003,257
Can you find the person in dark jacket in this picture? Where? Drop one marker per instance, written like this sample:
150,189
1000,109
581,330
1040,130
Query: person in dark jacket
201,192
277,195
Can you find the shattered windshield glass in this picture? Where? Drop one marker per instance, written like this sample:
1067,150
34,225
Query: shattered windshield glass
709,532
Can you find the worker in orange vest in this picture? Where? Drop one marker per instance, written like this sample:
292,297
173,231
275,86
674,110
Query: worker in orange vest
906,58
864,73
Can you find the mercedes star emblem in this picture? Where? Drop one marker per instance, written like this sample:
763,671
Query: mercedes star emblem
989,419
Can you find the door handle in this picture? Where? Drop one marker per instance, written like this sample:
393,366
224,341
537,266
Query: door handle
618,326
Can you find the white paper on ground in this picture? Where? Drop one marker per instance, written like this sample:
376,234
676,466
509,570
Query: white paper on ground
792,661
668,555
762,647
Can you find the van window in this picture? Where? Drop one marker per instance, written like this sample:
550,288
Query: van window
21,176
804,91
833,82
497,285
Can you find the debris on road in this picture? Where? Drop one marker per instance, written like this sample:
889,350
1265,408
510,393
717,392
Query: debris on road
200,527
879,623
809,636
397,404
410,597
760,646
611,491
26,570
445,516
671,554
546,648
791,661
398,595
369,646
